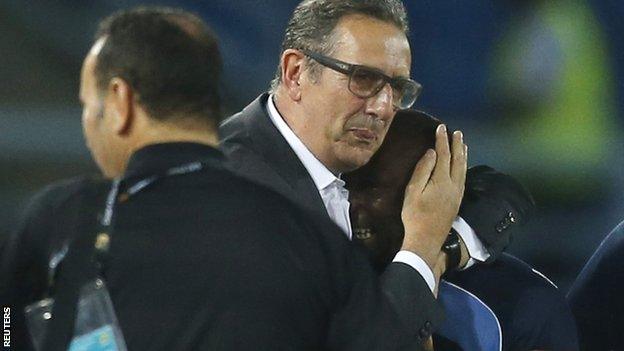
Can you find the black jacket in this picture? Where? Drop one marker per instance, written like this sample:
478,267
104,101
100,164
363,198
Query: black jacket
205,261
255,149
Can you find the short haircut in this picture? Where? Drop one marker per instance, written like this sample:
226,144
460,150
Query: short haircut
313,22
168,56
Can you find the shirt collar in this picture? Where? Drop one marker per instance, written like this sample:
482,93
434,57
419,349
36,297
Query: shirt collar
321,176
158,157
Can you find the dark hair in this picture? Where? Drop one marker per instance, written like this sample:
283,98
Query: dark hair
168,56
313,23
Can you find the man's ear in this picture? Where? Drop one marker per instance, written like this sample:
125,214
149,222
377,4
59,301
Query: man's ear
292,65
121,101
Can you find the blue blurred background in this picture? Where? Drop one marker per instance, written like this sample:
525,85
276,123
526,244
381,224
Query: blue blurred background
536,85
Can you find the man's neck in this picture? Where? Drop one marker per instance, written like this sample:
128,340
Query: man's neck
158,132
296,121
285,111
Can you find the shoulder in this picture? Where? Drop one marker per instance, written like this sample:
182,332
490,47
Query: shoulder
48,214
595,296
529,306
233,127
510,279
522,273
53,207
244,196
270,205
610,254
604,271
59,194
529,286
506,273
596,291
238,126
510,282
44,226
239,139
261,216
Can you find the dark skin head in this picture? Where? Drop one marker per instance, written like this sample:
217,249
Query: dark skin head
376,190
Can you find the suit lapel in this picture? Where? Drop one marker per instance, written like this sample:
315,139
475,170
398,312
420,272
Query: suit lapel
290,176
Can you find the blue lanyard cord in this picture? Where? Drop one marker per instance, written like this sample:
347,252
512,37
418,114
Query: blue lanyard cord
102,240
111,199
110,203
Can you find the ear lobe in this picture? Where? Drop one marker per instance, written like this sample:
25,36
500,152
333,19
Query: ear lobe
121,98
292,62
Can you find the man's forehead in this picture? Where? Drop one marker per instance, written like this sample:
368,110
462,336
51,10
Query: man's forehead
88,66
89,61
368,41
97,47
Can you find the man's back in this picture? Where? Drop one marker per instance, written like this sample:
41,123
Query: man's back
201,257
208,261
531,310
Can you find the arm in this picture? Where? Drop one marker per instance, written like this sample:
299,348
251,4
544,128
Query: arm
494,207
433,196
431,203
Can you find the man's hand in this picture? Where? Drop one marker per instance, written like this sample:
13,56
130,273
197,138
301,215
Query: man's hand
433,196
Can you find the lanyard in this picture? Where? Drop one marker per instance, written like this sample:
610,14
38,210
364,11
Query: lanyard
107,218
102,240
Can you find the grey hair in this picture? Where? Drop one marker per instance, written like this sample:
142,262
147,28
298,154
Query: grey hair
313,22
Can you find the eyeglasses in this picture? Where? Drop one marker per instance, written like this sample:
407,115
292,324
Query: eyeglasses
365,82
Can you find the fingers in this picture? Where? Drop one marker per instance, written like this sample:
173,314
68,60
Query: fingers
422,171
433,197
442,167
459,157
450,164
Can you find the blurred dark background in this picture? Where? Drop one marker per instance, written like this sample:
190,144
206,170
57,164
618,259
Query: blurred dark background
537,87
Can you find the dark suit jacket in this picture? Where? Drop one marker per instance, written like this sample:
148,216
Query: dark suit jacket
532,312
203,261
596,297
255,149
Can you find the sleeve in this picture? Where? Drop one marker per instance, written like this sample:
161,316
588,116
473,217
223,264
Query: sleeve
396,311
409,294
416,262
476,249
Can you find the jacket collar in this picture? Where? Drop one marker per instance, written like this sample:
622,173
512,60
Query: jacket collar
159,157
267,141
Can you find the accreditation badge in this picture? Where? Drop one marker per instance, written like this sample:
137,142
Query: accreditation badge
95,327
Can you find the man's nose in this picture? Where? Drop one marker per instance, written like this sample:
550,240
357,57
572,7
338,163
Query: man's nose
381,103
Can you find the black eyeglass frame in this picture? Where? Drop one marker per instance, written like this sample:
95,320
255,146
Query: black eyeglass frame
349,68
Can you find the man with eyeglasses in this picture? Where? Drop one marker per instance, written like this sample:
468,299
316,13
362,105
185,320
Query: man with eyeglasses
343,73
191,255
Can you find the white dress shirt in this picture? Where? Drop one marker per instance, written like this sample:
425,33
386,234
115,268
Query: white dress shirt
336,200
